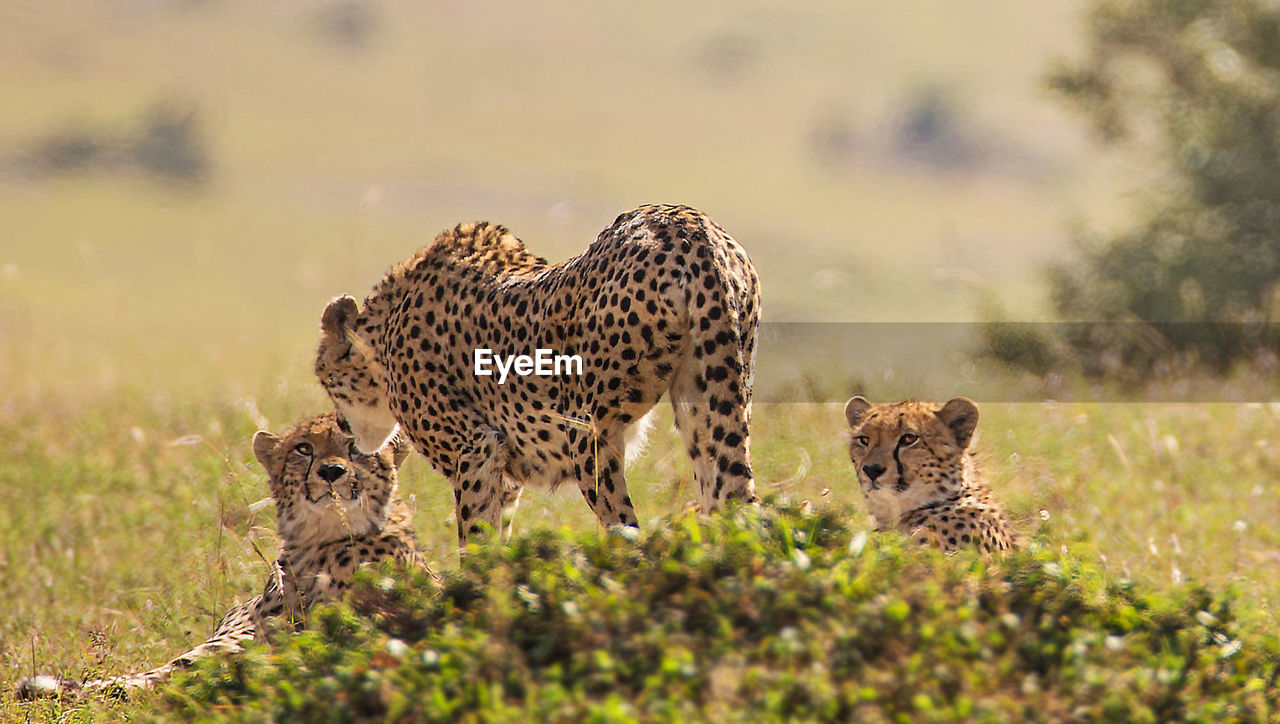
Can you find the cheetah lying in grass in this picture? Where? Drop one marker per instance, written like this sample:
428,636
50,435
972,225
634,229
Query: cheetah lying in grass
664,301
917,473
336,509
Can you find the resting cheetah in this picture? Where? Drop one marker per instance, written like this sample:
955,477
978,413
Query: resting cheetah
917,473
336,509
664,300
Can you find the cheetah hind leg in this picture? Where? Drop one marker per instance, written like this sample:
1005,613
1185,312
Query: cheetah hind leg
710,397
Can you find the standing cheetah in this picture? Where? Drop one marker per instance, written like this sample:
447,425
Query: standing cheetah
917,473
664,301
336,509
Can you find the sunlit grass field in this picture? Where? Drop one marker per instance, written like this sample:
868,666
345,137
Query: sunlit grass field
127,529
147,329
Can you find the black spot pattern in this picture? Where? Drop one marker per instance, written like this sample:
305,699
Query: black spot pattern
663,300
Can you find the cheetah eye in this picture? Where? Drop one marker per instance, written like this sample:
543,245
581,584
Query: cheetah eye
908,439
862,440
304,448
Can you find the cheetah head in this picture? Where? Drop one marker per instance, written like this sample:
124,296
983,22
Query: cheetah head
325,488
350,372
909,454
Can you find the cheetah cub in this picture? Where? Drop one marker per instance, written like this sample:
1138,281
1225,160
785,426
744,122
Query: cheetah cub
336,508
917,473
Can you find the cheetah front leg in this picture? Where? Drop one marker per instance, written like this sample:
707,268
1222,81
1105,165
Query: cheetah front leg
481,488
510,503
929,537
598,468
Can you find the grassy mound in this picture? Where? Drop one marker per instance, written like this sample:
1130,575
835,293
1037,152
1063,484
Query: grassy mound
758,614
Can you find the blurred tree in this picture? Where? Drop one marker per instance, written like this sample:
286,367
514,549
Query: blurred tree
1197,84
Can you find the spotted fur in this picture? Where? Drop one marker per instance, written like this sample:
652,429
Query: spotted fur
664,301
336,509
917,473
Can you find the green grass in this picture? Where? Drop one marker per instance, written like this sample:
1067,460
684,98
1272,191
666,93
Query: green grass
1160,499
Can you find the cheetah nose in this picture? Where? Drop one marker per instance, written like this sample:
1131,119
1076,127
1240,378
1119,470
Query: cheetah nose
330,473
873,471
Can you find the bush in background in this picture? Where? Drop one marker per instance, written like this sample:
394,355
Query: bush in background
1195,283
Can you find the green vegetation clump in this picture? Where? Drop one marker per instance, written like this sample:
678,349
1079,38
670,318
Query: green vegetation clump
758,614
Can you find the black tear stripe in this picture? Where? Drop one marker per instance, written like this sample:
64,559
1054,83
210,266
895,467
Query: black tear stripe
902,478
306,489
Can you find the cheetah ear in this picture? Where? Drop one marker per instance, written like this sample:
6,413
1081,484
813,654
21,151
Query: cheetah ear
264,448
961,415
855,409
339,315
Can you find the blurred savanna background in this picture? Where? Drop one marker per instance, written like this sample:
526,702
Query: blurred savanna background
185,183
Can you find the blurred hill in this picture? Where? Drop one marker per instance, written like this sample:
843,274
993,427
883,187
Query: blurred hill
878,163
